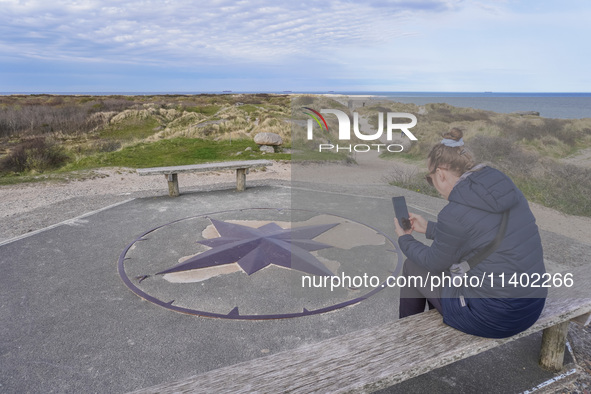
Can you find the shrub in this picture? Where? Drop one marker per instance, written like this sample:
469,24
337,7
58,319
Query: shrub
303,100
562,186
440,112
106,146
491,149
36,154
411,179
539,129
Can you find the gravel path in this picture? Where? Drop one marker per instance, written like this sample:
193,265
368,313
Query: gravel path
30,207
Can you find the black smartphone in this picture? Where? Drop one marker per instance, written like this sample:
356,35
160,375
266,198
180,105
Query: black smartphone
401,212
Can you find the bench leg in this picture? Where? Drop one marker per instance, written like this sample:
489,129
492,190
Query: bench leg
173,185
241,179
553,345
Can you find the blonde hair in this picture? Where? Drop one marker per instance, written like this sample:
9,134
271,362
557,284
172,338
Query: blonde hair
457,159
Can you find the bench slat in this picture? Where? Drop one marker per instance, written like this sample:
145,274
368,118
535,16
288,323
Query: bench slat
373,358
228,165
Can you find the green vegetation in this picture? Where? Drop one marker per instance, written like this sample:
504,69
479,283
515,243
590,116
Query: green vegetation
35,155
131,128
528,149
542,180
412,180
564,194
208,110
249,109
172,152
51,137
54,177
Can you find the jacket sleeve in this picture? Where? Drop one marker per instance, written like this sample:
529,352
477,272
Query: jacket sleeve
448,238
430,233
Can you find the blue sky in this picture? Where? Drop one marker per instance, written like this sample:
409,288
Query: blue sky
266,45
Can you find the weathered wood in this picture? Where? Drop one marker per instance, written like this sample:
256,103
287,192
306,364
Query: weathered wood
228,165
173,185
376,357
171,173
583,320
240,179
553,345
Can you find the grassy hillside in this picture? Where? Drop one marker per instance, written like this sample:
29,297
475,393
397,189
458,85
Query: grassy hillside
173,152
48,136
54,135
530,149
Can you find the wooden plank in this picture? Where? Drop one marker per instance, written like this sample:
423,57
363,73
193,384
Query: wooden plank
228,165
376,357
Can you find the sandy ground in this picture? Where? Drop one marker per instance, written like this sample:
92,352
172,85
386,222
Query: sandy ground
125,183
583,158
122,181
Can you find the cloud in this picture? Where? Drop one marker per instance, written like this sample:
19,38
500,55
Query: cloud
181,30
310,45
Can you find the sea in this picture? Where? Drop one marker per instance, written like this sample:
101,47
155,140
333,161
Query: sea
549,105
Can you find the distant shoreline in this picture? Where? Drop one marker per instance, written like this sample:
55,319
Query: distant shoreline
323,93
549,105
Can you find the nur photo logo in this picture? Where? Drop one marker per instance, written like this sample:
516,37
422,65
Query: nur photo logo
381,141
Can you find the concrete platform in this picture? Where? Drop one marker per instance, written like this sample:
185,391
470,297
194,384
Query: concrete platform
68,323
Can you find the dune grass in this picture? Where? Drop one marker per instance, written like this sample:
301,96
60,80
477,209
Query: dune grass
129,129
173,152
166,130
528,149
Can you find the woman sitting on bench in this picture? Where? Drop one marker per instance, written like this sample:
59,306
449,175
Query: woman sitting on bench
480,197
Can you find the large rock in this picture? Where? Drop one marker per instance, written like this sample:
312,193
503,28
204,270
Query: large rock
268,139
267,148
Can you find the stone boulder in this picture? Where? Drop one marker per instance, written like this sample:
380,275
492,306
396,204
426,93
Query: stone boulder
267,148
268,139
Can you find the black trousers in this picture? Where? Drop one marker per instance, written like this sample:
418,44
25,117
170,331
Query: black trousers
413,300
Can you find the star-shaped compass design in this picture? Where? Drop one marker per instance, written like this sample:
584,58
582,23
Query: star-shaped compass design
255,248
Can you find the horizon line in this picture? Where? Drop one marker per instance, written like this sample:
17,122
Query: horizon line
344,92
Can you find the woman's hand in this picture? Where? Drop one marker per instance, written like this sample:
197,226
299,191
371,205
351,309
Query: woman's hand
399,231
418,223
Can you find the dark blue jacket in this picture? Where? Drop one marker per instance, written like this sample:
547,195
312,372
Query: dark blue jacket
469,223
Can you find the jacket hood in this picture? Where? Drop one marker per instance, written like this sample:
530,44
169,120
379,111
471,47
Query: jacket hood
487,189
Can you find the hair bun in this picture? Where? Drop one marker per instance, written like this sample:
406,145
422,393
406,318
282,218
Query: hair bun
454,134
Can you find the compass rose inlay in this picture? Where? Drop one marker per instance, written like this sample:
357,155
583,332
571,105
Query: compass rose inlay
256,248
253,263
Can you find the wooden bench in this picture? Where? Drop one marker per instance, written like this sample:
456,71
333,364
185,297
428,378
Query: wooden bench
171,173
378,357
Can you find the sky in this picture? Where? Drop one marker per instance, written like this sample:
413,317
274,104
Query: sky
316,46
